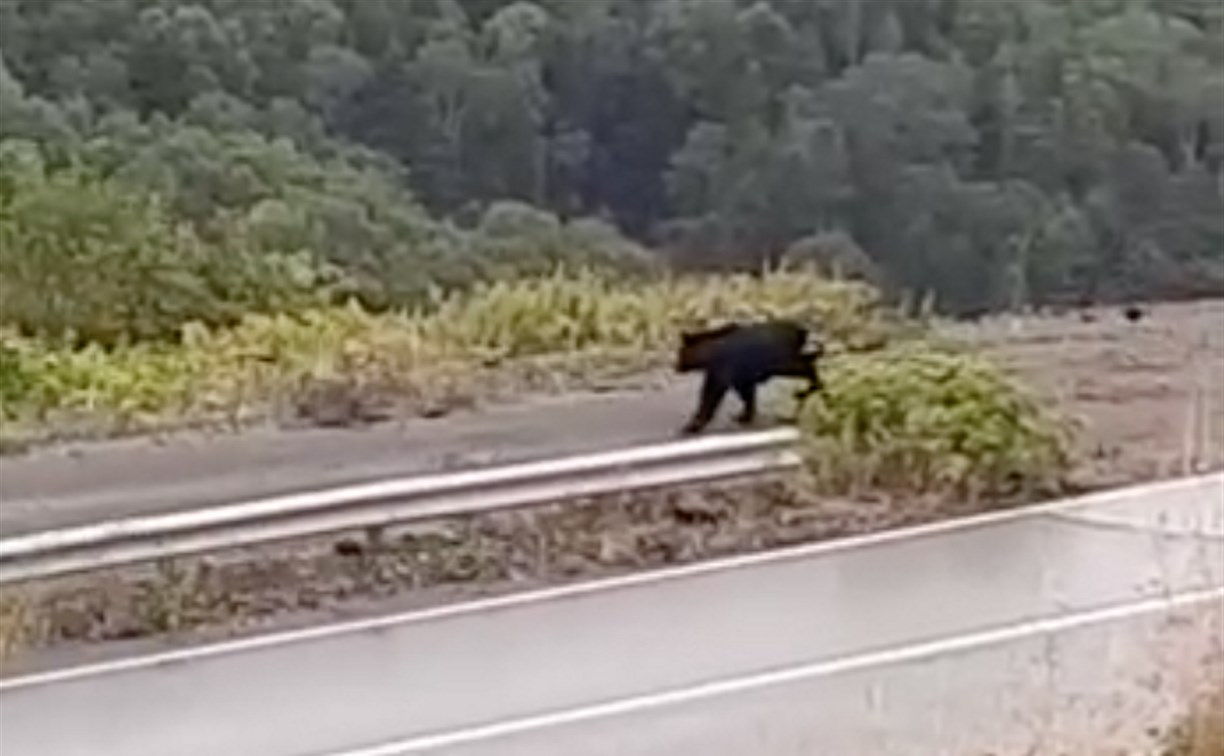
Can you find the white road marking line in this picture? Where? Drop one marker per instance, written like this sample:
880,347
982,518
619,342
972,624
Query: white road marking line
904,654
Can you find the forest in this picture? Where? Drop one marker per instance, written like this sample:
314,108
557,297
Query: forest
164,161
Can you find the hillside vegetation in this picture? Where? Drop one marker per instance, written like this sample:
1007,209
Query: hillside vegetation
174,160
212,209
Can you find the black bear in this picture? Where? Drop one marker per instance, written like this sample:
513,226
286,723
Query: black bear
741,356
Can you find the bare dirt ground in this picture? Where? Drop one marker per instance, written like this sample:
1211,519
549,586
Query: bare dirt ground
1149,397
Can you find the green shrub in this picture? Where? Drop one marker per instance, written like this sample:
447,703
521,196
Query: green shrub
348,207
17,375
913,419
87,259
517,240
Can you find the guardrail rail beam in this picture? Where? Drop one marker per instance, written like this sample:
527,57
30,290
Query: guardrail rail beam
394,502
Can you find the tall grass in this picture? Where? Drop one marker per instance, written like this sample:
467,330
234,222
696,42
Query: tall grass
581,318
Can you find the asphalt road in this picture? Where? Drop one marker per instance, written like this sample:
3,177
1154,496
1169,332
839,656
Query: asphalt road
431,680
1041,695
79,484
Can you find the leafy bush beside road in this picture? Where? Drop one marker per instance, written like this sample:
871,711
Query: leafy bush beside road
917,419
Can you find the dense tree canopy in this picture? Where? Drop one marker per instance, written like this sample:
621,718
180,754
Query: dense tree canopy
992,151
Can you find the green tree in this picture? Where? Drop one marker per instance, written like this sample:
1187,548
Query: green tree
87,259
977,148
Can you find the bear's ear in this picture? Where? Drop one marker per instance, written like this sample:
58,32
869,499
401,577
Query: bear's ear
688,338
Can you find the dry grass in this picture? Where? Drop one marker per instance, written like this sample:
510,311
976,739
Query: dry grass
14,626
1201,732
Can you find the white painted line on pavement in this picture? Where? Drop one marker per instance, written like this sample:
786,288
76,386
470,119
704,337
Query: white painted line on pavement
1163,529
902,655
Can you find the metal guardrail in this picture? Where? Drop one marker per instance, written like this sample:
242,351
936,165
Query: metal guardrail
392,502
